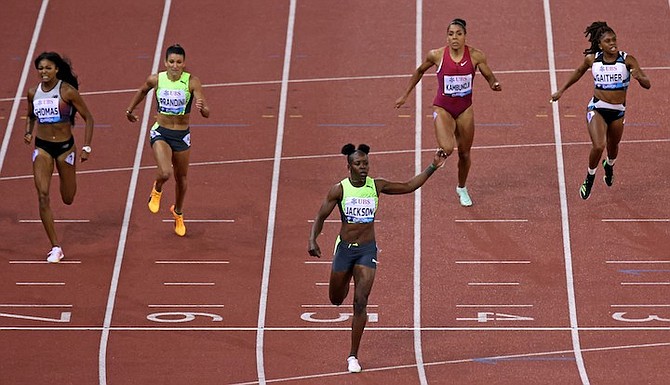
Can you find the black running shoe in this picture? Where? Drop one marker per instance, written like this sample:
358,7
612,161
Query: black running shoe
585,190
609,173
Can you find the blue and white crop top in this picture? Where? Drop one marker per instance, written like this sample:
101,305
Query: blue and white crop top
610,76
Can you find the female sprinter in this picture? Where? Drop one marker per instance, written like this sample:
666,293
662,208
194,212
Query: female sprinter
356,249
611,70
53,105
453,116
170,136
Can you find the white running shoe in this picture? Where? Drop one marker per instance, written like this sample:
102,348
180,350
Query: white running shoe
353,365
55,255
463,196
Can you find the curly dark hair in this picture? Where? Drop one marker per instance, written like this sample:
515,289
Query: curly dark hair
594,32
65,72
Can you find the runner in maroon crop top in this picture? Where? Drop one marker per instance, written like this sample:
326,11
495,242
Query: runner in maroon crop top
452,112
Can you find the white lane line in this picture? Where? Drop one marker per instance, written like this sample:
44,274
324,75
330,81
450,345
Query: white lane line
188,283
326,284
22,82
490,220
56,220
418,167
203,220
522,356
37,305
565,222
322,156
642,305
644,283
317,262
180,306
68,262
492,262
191,262
331,79
40,283
272,208
327,306
132,187
342,328
636,262
493,284
636,220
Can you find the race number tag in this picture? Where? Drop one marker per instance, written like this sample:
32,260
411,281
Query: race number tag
460,85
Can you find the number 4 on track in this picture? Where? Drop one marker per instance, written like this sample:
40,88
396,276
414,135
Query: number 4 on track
484,316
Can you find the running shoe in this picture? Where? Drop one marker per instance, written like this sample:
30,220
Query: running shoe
155,199
55,255
352,365
179,227
463,196
609,173
585,190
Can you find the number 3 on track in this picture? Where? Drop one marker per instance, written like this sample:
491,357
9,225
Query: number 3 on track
619,316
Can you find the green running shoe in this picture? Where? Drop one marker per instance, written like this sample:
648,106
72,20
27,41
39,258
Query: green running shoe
585,190
609,173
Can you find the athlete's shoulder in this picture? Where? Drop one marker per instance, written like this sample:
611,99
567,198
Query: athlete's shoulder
436,54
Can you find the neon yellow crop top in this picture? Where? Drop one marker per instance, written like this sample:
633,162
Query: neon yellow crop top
173,97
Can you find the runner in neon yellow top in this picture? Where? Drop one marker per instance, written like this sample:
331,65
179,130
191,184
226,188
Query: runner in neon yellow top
170,136
358,204
173,97
356,249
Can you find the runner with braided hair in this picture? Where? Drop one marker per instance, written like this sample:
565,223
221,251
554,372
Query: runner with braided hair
612,70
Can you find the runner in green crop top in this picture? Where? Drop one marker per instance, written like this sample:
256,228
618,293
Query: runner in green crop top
176,91
356,250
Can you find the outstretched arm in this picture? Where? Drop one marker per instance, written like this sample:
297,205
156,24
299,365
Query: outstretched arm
334,196
417,181
151,82
576,75
431,59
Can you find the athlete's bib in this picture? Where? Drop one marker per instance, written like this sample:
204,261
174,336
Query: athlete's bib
360,210
47,110
457,85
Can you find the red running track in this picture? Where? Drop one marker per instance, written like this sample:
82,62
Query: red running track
531,285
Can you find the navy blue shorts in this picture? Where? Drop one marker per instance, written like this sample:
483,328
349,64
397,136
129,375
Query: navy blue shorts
609,112
178,140
349,254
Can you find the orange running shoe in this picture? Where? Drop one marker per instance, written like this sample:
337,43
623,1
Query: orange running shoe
155,199
179,227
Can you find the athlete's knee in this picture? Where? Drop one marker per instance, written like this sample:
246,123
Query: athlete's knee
43,198
336,299
163,174
68,199
599,146
360,306
447,150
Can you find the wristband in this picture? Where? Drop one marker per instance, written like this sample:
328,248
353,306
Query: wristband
86,149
